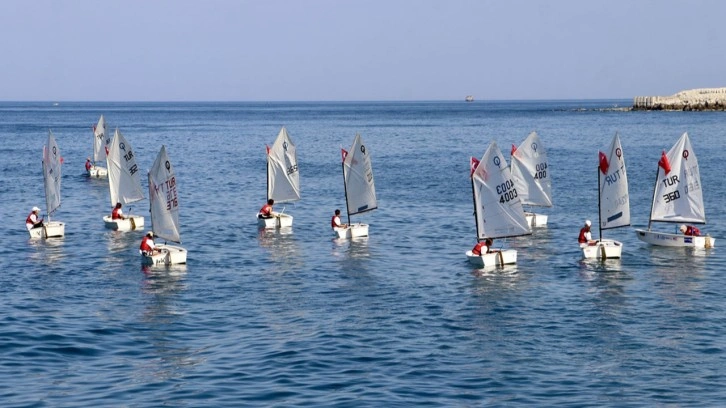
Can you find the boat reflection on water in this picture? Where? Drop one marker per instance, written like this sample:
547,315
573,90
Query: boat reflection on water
163,279
48,251
281,246
356,248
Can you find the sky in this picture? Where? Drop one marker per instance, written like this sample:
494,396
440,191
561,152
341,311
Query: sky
353,50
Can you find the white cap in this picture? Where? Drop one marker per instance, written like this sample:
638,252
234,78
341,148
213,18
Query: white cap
682,228
36,209
588,223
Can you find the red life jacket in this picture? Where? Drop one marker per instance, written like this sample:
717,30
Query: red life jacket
28,220
114,214
581,239
691,230
332,222
145,244
88,165
478,247
266,210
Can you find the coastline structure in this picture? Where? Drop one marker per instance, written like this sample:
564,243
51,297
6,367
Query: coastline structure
703,99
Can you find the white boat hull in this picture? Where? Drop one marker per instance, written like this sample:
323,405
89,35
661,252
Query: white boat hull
604,249
131,223
498,258
277,221
168,255
352,231
97,171
536,220
53,229
674,240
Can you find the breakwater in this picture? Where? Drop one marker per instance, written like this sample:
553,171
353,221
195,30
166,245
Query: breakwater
704,99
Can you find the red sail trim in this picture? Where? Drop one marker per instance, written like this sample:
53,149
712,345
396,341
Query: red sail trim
473,164
604,165
664,163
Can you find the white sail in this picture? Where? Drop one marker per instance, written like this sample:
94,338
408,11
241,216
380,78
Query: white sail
283,178
163,198
678,196
100,140
52,174
614,198
496,201
123,173
360,190
530,172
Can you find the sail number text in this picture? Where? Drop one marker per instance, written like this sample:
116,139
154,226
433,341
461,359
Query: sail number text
506,191
292,169
169,187
540,171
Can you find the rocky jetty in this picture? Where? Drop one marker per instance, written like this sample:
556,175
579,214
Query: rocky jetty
704,99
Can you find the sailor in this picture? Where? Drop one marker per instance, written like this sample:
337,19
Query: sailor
33,221
483,247
266,210
88,164
689,230
147,247
585,235
117,214
335,221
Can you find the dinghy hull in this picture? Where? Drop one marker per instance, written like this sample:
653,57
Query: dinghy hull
97,172
352,231
536,220
674,240
498,258
131,223
53,229
168,255
604,249
277,221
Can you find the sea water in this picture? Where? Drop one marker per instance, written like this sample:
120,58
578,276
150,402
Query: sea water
292,318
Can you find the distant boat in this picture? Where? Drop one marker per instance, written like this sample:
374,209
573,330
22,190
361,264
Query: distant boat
613,202
123,183
677,198
497,208
164,212
56,103
283,179
529,172
469,98
360,190
52,182
100,149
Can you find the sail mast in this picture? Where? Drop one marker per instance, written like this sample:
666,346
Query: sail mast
473,198
599,208
345,187
268,171
652,202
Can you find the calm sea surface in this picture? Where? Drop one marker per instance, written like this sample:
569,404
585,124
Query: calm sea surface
295,318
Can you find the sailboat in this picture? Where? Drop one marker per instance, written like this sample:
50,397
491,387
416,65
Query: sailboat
52,184
360,190
123,183
677,198
497,207
283,179
530,175
100,149
613,201
164,206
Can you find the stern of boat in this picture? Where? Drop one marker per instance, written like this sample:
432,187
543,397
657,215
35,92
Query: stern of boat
536,220
605,249
131,223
